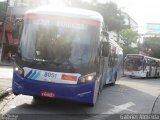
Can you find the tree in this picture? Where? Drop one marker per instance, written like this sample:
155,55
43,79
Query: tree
152,46
129,36
112,16
2,10
110,12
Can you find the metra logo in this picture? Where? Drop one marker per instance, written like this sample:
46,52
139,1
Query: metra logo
33,74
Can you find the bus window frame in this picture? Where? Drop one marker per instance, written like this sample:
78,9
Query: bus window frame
144,64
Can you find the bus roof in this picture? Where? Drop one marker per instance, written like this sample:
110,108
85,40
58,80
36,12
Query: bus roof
145,56
66,11
115,44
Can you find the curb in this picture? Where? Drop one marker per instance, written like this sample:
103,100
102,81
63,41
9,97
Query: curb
5,93
6,64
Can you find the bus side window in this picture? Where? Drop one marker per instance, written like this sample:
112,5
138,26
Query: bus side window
144,64
113,56
154,64
148,62
110,58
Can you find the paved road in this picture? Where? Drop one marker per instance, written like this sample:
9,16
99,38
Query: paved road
6,74
127,96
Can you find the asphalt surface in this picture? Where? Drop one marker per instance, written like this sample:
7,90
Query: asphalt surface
128,96
6,73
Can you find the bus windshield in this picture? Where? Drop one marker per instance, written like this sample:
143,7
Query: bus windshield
133,63
57,41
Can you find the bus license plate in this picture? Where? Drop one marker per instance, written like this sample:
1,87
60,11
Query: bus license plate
48,94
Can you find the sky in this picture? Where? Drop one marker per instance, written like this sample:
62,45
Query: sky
142,11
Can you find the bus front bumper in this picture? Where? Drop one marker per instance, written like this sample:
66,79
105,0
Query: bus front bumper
80,92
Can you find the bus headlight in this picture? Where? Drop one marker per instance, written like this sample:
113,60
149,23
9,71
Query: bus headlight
18,70
87,78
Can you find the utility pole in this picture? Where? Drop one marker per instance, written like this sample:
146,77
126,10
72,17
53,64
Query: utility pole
3,31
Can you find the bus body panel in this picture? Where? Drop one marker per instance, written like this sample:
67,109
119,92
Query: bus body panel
148,67
107,67
113,64
81,93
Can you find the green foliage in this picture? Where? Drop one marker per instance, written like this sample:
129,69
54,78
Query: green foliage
129,36
152,46
2,10
110,12
112,15
130,50
114,21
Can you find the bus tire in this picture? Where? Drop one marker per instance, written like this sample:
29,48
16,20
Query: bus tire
130,76
37,98
96,94
15,94
94,102
115,79
147,75
155,75
158,74
101,84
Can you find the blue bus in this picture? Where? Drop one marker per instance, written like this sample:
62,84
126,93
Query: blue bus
65,54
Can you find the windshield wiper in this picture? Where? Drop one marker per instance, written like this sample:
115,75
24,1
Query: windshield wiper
33,62
51,62
61,63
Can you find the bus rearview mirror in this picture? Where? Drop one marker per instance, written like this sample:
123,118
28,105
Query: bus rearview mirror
105,33
105,49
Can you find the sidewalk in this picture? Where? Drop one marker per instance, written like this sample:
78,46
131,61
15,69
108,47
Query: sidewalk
156,109
5,80
4,63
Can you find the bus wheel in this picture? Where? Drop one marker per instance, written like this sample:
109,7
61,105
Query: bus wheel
15,94
101,84
130,76
147,75
37,98
158,74
96,94
114,81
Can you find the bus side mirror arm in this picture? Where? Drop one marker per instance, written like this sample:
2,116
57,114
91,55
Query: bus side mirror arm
105,33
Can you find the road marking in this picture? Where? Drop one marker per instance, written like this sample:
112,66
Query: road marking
115,110
122,90
6,72
120,108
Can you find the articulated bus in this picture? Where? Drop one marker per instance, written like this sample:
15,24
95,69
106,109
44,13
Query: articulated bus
136,65
65,54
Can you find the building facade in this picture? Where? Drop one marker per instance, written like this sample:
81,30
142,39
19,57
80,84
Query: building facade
130,21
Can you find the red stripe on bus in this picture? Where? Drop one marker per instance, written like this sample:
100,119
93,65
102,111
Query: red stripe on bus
66,19
69,77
